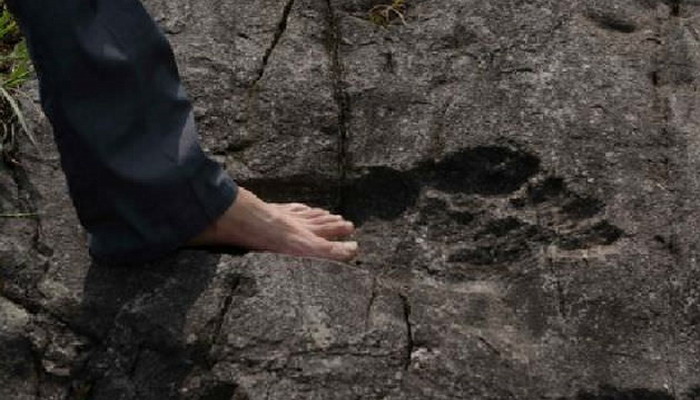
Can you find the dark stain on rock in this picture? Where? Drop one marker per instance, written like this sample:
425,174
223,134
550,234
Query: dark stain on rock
669,244
500,227
553,191
601,234
549,189
648,4
17,356
484,170
693,393
389,65
380,192
502,241
581,207
675,7
460,37
444,221
509,240
612,22
386,193
435,209
218,391
654,76
490,255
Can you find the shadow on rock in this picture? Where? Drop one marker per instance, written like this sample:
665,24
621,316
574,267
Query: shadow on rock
612,393
139,314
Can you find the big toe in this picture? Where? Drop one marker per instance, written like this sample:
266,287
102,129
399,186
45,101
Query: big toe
343,251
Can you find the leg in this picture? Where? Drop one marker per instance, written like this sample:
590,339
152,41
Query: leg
141,185
123,125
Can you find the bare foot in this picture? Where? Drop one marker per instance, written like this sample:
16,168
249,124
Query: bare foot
294,229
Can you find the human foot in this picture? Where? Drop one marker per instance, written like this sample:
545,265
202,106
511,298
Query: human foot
292,228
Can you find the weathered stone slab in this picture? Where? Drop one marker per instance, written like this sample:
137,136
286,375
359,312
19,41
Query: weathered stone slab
524,177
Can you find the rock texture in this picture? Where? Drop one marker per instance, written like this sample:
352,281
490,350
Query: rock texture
524,175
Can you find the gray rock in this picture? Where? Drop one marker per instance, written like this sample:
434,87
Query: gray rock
523,176
16,370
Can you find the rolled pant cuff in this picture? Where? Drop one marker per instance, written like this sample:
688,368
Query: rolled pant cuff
202,199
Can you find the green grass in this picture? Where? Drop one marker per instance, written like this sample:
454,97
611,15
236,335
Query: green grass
15,70
19,215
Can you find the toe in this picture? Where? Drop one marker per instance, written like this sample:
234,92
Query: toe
333,230
324,219
343,251
292,207
314,212
298,207
309,245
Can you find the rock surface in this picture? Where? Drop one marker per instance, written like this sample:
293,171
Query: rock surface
524,176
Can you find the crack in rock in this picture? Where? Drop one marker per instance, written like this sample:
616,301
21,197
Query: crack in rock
341,99
232,285
281,28
370,303
409,330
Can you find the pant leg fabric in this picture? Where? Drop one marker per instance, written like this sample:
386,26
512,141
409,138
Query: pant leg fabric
123,125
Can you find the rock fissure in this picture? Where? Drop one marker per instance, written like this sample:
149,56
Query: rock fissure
281,28
38,371
489,345
409,330
676,7
370,303
343,104
220,319
340,351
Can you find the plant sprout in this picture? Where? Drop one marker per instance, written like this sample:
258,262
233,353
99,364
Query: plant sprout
385,14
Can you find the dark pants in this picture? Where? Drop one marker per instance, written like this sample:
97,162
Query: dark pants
123,125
